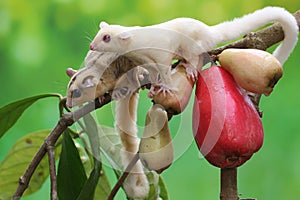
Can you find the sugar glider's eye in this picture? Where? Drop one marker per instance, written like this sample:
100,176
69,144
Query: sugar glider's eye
76,93
124,90
106,38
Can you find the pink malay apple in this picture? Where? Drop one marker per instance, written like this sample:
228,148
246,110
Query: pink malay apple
226,125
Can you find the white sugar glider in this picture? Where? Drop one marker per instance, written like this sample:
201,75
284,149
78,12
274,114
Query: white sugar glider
99,75
126,94
130,83
95,79
136,184
186,39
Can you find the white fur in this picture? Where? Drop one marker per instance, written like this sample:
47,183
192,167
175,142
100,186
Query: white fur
154,47
136,185
186,38
103,24
233,29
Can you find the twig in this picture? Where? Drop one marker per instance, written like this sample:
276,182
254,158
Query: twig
53,136
229,189
65,121
262,39
52,168
123,177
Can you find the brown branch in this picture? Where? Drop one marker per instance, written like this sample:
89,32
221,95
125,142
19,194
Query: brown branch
229,189
262,39
65,121
122,178
52,168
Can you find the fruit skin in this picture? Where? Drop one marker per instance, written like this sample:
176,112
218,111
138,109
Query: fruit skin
226,125
156,150
176,101
254,70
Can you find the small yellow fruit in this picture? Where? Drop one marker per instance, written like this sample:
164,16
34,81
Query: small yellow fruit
176,101
156,150
254,70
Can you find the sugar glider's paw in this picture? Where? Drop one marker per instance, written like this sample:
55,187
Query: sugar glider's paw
101,99
136,185
130,83
121,93
191,71
142,76
161,87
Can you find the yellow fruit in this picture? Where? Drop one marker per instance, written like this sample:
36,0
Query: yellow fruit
156,148
254,70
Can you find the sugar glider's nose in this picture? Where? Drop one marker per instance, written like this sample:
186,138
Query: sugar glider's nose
69,104
92,46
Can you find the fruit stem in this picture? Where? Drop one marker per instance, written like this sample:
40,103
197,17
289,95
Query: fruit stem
229,189
255,98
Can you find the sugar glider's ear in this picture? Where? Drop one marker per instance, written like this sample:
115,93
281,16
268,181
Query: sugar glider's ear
103,24
124,35
88,82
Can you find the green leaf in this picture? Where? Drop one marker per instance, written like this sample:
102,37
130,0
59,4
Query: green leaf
17,161
10,113
163,193
103,188
88,191
158,188
92,132
153,178
110,145
71,176
84,156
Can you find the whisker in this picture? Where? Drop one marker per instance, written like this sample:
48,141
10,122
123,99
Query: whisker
88,37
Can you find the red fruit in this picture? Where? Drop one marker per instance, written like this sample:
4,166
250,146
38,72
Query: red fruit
226,125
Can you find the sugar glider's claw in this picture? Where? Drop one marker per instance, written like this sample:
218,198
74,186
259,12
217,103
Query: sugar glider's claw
192,73
161,88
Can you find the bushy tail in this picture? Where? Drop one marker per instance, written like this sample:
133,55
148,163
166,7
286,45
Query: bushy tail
233,29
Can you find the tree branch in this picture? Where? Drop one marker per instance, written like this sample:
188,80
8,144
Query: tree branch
122,178
262,39
52,168
229,184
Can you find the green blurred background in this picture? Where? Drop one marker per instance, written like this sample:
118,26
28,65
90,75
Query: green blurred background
40,39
